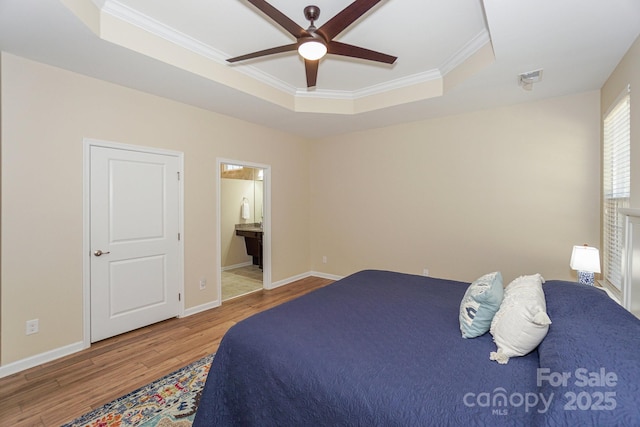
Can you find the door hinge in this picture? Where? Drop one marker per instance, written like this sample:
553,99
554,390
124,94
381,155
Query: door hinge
178,176
178,236
179,296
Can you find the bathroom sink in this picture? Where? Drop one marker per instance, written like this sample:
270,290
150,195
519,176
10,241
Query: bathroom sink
255,228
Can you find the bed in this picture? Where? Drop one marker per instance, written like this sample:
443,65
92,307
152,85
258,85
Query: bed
381,348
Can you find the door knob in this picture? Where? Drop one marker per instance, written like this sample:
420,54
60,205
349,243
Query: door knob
99,252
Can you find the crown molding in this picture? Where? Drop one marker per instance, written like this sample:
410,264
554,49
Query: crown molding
126,14
155,27
471,47
400,83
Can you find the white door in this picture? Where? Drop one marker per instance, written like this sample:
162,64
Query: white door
134,226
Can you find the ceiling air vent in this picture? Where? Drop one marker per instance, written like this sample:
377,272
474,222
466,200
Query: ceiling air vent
526,80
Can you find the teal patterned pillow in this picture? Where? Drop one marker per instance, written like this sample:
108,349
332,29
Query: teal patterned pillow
479,304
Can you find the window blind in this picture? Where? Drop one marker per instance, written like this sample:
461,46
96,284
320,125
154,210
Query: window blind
616,185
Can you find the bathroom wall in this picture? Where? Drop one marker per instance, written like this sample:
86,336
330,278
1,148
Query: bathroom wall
232,192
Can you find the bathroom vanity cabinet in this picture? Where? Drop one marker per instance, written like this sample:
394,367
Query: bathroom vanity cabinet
252,234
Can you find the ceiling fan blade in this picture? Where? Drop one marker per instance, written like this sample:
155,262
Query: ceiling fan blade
344,49
280,18
346,17
311,68
273,50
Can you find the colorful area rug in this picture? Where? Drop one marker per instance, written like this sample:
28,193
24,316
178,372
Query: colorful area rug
170,401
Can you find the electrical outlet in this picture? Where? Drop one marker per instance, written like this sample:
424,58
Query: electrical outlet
203,283
32,326
425,272
324,259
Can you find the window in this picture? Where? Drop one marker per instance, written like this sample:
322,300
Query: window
616,176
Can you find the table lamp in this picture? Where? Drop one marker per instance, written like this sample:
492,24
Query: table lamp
586,260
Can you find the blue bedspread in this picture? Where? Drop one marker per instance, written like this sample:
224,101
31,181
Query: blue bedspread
595,344
381,348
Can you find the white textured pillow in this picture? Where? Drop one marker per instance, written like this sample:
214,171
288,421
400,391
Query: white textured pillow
521,323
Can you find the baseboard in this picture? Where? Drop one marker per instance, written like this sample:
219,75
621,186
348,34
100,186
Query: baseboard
304,276
49,356
289,280
325,275
231,267
39,359
204,307
200,308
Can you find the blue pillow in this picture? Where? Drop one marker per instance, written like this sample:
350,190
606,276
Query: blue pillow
479,304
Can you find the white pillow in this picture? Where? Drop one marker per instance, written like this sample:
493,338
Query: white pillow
521,323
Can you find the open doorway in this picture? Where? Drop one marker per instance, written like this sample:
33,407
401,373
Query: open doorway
243,193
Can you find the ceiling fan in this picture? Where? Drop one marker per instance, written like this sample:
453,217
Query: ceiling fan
313,43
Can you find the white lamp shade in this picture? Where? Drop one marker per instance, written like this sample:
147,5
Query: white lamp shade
585,258
312,50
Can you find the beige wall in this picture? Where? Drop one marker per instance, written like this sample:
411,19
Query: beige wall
46,113
509,189
628,72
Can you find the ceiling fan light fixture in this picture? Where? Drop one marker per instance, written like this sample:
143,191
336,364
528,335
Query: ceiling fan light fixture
313,43
312,50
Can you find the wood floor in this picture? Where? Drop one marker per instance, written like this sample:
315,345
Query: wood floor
60,391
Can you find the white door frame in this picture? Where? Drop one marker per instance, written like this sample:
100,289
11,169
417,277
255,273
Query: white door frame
86,225
266,222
